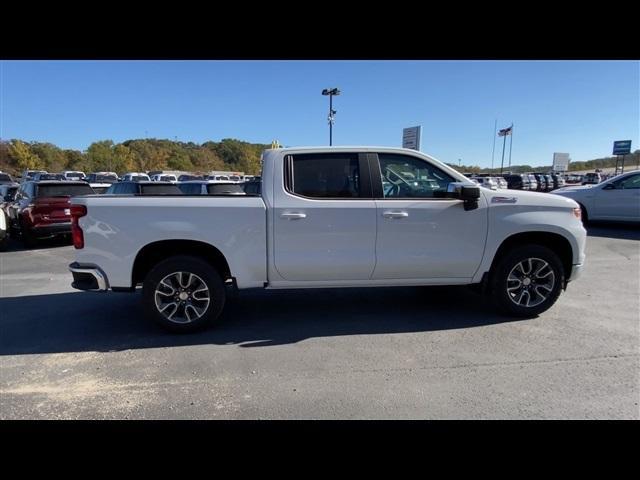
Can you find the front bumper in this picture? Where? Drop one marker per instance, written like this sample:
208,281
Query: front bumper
88,277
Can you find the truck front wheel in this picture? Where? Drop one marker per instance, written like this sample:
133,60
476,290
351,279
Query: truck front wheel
527,281
183,294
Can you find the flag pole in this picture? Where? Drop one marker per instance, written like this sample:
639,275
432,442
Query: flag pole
504,143
510,145
495,127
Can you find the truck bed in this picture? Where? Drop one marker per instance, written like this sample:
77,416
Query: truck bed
117,227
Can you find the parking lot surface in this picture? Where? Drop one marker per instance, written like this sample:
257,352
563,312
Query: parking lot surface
398,353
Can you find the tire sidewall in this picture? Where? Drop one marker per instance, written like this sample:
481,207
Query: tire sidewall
184,263
505,265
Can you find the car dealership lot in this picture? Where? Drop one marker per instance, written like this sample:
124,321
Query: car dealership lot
350,353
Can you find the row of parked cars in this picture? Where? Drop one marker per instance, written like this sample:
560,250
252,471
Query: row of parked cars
39,206
536,182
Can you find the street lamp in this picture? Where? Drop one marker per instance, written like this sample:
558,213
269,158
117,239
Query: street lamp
331,92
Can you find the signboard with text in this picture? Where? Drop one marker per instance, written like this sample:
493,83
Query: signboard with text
411,137
560,162
622,147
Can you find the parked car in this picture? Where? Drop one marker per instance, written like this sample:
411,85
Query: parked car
38,177
218,178
253,187
591,178
206,187
27,175
558,181
187,177
74,175
500,182
163,177
8,195
486,182
572,179
135,177
541,181
100,188
533,182
5,178
4,231
549,182
517,181
323,220
616,199
42,209
102,177
139,187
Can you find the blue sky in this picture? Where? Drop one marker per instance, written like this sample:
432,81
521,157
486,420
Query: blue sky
579,107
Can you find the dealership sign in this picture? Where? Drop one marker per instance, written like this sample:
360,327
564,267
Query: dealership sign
560,162
622,147
411,137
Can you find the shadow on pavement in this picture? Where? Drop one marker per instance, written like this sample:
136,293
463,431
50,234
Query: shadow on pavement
83,321
16,245
618,230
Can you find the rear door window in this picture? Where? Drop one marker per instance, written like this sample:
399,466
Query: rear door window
325,175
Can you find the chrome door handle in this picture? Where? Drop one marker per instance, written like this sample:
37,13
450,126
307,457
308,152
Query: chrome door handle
293,216
390,214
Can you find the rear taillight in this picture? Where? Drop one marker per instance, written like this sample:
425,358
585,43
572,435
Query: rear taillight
77,211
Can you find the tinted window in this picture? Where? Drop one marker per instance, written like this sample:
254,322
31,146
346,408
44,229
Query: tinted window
160,190
224,189
100,189
103,178
410,177
63,190
631,182
326,176
5,178
190,188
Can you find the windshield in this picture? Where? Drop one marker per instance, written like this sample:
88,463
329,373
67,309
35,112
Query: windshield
105,178
5,178
63,190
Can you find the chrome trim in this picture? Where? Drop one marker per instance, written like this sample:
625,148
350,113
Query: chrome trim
100,277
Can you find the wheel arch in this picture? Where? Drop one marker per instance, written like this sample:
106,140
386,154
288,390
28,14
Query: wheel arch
152,253
554,241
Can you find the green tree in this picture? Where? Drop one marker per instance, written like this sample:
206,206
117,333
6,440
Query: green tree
23,157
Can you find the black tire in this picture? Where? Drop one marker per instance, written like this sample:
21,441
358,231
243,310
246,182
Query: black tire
537,288
28,238
204,273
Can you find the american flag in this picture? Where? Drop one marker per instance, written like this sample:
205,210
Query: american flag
505,131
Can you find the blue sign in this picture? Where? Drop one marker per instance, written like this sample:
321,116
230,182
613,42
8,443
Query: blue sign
622,147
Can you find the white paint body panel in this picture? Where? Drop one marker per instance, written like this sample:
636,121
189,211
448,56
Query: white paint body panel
117,228
333,243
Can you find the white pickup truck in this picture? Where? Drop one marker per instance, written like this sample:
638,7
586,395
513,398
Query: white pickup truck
329,217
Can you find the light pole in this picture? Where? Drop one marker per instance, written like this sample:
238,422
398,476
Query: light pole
331,92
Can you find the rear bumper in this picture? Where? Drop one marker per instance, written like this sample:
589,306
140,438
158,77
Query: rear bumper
47,230
88,277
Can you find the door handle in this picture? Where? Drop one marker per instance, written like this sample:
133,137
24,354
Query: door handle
390,214
294,216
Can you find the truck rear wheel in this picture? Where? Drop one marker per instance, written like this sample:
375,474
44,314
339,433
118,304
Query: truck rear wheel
527,281
183,294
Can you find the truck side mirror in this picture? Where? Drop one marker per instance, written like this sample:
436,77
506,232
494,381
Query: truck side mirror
469,194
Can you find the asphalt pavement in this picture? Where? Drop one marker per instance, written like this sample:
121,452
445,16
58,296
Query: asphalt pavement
382,353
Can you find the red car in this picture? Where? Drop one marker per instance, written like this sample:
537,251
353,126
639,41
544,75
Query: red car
42,209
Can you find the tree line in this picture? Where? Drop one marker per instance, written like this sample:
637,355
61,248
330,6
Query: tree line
139,155
142,155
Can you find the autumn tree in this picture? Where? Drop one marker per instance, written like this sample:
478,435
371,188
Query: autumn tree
23,157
